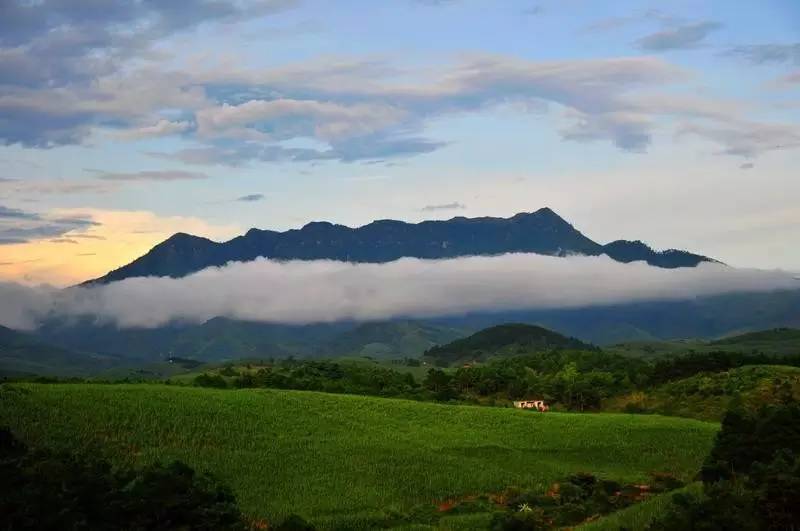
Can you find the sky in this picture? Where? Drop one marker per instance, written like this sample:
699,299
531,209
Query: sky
122,122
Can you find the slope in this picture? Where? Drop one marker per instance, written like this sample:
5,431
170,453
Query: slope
348,462
390,339
24,354
502,340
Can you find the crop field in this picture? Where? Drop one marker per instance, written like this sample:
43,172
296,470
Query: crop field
342,460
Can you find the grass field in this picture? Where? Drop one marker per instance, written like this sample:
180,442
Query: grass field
347,461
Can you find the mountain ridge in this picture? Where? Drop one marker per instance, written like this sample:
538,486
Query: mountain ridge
541,232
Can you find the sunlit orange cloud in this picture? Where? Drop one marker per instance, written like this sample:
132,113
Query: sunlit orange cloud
120,237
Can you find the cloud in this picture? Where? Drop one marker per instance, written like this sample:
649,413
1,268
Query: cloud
746,139
767,53
56,187
273,291
359,111
84,71
617,22
250,198
747,166
76,40
115,237
678,38
161,128
88,236
153,175
13,213
60,60
18,226
64,240
446,206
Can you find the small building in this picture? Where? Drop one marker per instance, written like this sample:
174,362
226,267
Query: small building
538,405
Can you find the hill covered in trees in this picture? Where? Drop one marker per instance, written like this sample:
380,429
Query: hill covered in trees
502,340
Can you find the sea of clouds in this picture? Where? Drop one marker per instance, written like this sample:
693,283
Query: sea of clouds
325,291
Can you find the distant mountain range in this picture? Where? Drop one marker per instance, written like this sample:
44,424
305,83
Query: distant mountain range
26,354
85,346
541,232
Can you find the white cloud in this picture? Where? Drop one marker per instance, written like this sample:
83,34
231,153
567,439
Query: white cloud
322,291
160,128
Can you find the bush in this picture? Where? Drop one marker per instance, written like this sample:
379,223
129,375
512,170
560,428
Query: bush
209,380
47,490
751,479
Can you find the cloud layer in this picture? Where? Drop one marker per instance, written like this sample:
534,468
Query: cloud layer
325,291
19,226
87,67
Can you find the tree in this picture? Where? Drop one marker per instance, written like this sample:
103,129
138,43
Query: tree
48,490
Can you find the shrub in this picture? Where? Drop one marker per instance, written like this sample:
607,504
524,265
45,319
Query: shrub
47,490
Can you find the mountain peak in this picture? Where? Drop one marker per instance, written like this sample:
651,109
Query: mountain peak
182,238
540,232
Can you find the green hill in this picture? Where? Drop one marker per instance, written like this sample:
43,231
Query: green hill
773,342
708,395
22,354
392,339
778,341
344,461
503,340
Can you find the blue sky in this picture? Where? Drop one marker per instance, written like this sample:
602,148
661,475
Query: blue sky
121,122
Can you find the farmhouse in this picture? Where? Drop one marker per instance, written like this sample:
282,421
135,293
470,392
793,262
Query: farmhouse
538,405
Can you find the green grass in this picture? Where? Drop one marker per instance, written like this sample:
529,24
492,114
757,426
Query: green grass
344,460
639,516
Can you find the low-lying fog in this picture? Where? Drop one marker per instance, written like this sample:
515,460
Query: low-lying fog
318,291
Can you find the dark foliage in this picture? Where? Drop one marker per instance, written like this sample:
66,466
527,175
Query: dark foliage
749,438
47,490
507,339
678,367
751,479
577,380
210,380
575,500
331,377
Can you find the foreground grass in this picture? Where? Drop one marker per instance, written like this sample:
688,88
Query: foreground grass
639,516
344,460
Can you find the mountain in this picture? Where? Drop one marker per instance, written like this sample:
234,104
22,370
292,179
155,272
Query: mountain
709,317
541,232
390,339
506,339
632,251
218,339
25,354
222,339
